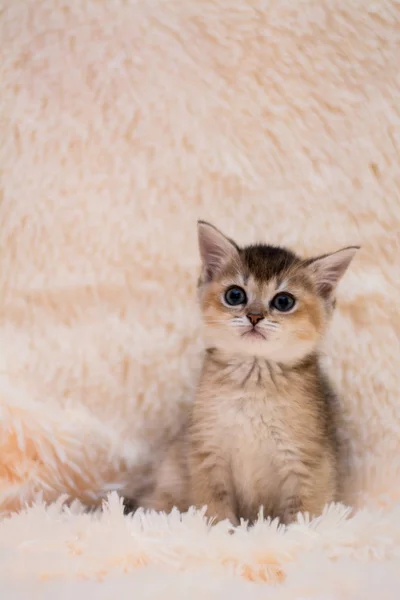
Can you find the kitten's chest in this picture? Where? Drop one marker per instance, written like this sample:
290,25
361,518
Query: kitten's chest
257,403
260,415
259,445
259,419
259,423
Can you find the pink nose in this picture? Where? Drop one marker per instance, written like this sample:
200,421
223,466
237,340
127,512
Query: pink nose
255,318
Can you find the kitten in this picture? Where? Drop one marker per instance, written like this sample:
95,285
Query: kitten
262,431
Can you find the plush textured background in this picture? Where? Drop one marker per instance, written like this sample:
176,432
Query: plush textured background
123,122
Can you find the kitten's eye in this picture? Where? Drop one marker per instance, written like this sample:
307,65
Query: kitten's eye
235,296
283,302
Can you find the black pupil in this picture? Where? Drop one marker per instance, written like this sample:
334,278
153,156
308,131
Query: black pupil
235,296
283,302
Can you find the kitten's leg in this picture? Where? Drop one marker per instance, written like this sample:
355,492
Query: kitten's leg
307,490
211,485
291,507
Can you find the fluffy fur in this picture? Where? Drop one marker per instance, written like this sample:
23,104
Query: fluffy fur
121,123
55,552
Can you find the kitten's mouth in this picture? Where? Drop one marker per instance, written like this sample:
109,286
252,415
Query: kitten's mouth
254,334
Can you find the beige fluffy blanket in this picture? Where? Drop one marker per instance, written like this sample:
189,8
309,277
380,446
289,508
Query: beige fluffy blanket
121,123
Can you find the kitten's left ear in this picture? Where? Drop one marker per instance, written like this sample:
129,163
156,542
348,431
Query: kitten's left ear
215,249
327,270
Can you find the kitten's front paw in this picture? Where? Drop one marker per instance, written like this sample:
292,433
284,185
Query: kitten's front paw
292,509
219,516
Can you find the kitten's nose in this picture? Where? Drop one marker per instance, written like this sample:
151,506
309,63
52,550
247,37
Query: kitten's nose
254,318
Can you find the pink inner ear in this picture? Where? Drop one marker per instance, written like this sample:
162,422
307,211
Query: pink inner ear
213,258
327,277
208,273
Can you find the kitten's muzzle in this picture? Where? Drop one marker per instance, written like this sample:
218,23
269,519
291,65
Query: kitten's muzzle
255,318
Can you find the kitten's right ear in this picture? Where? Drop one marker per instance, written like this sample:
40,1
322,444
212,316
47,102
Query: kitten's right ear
216,250
327,270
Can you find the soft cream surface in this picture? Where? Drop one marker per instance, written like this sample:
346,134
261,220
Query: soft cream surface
121,123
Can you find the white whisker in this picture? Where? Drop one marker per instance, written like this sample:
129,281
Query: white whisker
215,321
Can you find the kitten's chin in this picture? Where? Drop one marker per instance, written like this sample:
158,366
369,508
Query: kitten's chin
254,335
255,344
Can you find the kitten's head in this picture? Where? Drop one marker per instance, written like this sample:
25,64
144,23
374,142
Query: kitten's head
264,300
